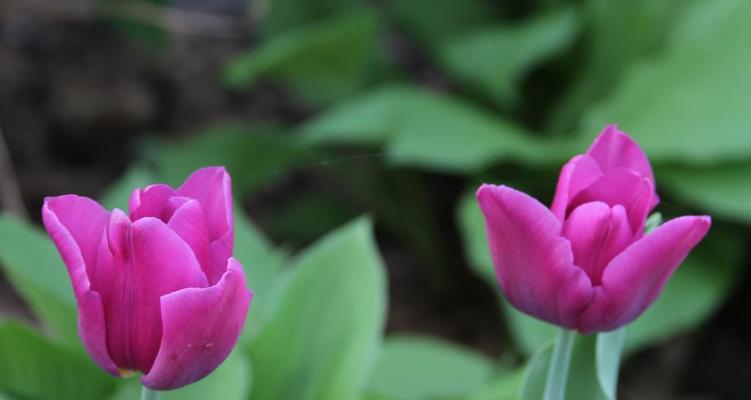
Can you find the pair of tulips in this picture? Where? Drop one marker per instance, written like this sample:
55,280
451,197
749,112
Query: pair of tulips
159,292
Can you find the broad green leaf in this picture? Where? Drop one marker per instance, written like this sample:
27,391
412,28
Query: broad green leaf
461,137
691,103
232,380
608,349
416,368
505,386
723,190
694,291
322,62
502,54
262,264
34,267
321,341
33,367
371,118
252,155
619,34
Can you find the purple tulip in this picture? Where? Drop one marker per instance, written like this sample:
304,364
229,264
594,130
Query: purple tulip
585,263
157,290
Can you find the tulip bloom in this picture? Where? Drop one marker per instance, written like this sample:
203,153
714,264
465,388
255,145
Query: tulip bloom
586,263
157,289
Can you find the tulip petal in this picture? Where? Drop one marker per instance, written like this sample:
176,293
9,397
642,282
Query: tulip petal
575,176
613,149
533,262
212,188
621,186
189,223
597,233
160,262
634,278
200,328
150,202
76,226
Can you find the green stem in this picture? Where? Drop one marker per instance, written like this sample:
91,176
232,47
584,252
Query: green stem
148,394
555,387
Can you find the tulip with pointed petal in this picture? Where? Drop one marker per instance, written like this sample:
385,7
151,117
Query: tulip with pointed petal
157,289
586,263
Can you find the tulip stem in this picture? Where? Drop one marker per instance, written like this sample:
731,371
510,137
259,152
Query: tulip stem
555,387
148,394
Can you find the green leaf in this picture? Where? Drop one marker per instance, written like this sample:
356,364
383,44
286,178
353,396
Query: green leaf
32,367
501,55
505,386
691,103
462,138
414,368
232,380
619,34
321,340
722,189
262,264
608,349
33,266
252,155
322,62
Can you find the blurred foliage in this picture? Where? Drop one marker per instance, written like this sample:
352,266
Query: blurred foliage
409,105
423,368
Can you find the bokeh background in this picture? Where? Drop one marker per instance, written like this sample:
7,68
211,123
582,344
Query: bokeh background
326,110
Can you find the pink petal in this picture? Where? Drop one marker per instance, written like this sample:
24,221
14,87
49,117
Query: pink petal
200,328
533,262
68,220
220,251
575,176
150,202
634,278
597,233
159,262
613,148
189,223
621,186
212,188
